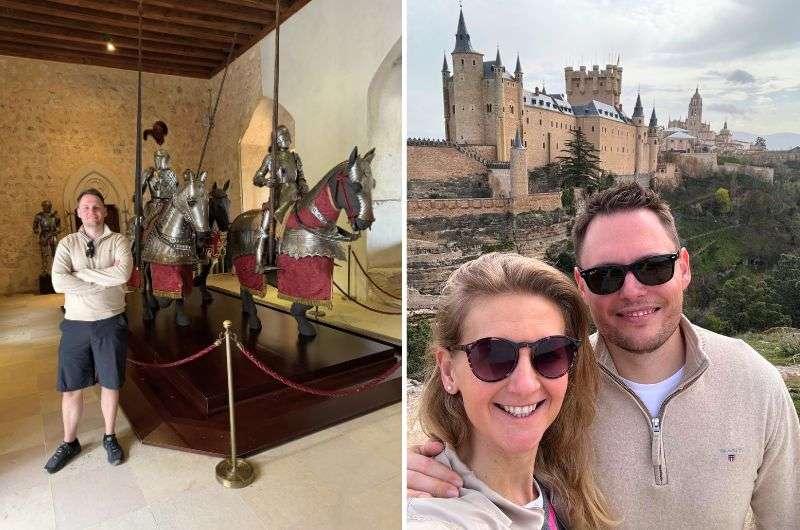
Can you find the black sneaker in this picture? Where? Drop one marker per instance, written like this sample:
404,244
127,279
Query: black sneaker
64,453
115,452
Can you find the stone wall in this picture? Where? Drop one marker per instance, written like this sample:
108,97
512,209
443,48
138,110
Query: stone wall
694,164
440,163
65,125
455,188
766,174
763,157
240,97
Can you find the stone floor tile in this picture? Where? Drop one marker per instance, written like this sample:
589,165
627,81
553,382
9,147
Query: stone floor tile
94,496
27,509
163,473
141,519
22,470
210,508
21,434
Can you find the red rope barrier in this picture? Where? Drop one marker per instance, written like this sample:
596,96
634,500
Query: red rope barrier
185,360
317,392
362,305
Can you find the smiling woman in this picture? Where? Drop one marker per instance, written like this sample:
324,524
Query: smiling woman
510,390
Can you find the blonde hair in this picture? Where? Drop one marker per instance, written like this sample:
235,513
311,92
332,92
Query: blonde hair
564,461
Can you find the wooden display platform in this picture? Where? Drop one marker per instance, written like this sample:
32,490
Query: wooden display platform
186,408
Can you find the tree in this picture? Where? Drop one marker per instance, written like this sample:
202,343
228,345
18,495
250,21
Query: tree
722,200
760,143
785,285
580,167
746,304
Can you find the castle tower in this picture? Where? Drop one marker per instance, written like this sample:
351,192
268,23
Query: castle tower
518,173
464,106
603,85
695,116
498,71
446,97
640,155
725,134
520,116
652,140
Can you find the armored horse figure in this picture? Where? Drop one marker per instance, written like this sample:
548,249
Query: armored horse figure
169,247
309,244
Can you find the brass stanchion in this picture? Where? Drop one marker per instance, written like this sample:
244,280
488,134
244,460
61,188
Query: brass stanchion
232,472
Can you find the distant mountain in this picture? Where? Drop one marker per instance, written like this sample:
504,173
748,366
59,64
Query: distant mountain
775,142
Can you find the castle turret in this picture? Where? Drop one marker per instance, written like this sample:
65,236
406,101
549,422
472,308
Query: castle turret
446,96
465,112
603,85
518,70
638,112
652,140
518,173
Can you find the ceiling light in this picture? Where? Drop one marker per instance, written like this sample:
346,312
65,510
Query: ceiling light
110,46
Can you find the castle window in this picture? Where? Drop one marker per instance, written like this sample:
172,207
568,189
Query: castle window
512,109
540,121
592,128
526,120
462,62
473,62
454,109
542,145
488,107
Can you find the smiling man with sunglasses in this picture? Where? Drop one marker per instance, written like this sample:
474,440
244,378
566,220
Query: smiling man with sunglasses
692,427
91,268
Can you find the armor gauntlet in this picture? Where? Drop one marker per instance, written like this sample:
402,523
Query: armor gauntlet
261,178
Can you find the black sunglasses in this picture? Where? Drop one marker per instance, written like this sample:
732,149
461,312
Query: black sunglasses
608,279
493,359
90,249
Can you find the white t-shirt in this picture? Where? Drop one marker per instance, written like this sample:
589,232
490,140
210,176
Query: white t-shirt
653,395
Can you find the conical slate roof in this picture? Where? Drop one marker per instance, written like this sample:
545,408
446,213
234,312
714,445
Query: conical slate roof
518,141
638,111
497,61
463,44
445,68
518,69
653,120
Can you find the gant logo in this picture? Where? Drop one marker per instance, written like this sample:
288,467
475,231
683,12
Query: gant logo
731,452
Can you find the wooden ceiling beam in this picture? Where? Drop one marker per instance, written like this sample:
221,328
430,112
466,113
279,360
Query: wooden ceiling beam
209,7
286,12
110,21
151,12
48,33
30,52
263,5
92,49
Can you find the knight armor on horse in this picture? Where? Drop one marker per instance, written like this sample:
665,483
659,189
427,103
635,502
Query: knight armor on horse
160,180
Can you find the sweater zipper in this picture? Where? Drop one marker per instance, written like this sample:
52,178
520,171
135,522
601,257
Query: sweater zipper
657,454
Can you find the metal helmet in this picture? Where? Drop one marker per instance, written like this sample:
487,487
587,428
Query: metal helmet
47,206
161,158
284,137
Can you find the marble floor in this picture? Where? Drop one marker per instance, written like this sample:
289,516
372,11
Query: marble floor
347,476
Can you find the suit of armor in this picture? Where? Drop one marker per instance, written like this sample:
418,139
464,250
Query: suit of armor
47,225
161,181
287,183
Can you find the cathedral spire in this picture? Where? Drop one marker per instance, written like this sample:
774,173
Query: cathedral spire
463,44
638,110
653,120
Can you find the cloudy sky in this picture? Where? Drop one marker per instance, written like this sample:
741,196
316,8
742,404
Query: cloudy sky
745,55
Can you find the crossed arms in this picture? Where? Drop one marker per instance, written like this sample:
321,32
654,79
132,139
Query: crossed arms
90,281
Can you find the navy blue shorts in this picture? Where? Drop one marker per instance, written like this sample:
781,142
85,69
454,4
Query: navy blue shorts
92,352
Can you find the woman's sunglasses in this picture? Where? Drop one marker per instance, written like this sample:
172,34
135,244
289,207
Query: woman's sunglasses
493,359
608,279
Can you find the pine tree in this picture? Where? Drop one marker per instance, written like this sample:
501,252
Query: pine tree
580,167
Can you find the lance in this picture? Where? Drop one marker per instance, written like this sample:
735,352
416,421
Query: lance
272,199
137,225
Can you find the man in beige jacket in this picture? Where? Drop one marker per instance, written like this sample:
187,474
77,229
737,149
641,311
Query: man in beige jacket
692,427
91,268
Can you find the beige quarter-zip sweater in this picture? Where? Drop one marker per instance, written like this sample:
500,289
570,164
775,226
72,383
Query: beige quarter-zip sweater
477,507
93,287
725,439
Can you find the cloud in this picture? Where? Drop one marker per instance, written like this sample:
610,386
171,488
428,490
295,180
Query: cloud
726,108
740,77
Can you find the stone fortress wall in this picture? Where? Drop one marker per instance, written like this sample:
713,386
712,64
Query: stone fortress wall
68,126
